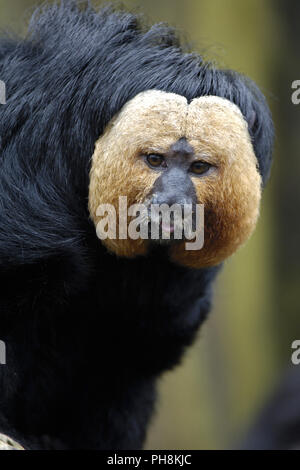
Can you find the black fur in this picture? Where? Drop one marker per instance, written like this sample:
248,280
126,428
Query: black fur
86,333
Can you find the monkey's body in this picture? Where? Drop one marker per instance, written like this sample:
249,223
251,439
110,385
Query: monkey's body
83,376
88,332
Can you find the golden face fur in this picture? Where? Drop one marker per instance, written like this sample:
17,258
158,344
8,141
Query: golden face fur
150,123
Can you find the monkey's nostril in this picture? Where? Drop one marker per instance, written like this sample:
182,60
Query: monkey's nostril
170,199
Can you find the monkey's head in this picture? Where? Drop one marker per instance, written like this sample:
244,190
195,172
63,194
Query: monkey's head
162,149
121,109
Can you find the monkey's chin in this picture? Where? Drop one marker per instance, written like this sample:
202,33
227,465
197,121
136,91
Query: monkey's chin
223,234
167,242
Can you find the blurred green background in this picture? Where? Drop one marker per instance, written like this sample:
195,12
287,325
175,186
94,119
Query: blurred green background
211,399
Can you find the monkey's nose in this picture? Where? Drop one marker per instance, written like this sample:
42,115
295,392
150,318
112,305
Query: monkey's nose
171,198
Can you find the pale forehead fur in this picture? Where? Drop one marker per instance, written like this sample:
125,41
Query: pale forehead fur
157,119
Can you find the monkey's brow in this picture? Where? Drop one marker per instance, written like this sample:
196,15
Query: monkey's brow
182,146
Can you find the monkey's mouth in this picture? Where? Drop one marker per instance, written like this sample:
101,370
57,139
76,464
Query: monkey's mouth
165,231
167,228
167,224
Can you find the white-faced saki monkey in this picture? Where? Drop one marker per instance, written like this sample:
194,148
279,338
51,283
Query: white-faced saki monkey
100,107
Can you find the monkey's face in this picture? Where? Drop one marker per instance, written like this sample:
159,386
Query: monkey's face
160,149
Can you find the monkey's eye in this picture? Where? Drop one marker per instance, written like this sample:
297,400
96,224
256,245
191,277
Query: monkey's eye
155,160
199,168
